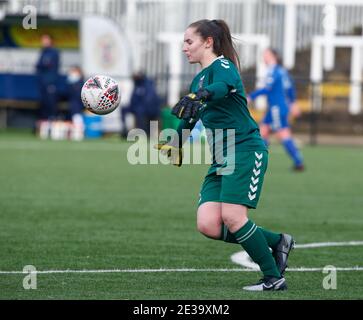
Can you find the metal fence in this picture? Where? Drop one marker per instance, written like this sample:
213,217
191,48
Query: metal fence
147,18
143,20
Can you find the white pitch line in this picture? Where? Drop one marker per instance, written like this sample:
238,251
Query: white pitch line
243,259
328,244
130,271
301,269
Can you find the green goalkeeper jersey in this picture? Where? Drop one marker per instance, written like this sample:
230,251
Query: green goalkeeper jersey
227,108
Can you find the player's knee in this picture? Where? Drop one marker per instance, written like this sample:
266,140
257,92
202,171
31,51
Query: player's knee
209,229
234,220
229,219
284,133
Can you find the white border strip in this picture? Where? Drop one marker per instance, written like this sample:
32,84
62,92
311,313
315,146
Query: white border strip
301,269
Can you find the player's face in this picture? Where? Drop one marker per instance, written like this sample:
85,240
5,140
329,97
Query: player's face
194,46
269,58
46,41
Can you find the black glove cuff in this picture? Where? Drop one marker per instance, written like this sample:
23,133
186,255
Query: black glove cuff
203,94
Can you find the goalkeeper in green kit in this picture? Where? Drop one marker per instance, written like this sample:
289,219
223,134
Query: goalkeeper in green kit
234,181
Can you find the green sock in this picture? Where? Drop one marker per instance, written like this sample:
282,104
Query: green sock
227,236
272,238
251,238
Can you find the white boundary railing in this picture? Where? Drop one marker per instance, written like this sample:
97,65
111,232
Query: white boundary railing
296,21
289,25
316,71
350,13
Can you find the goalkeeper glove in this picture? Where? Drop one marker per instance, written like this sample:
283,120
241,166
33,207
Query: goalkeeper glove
190,105
174,154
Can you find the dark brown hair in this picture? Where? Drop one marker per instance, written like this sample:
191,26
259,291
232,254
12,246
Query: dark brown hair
276,54
222,39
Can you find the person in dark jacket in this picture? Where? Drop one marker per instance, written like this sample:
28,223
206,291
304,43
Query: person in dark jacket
75,82
47,71
144,104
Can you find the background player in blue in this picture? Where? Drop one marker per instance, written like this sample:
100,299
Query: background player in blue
281,98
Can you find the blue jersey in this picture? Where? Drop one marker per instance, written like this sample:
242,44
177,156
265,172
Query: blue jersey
279,89
280,92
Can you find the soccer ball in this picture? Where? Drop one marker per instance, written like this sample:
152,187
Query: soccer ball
100,94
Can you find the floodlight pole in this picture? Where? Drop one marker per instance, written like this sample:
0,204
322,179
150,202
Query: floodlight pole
356,79
289,44
316,76
330,27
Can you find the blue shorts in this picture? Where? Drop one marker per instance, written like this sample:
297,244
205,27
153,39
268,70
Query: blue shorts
276,118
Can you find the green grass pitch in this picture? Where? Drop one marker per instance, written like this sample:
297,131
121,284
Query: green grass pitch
82,206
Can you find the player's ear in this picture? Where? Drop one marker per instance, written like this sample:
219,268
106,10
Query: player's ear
209,42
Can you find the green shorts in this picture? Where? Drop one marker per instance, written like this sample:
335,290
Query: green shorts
242,185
